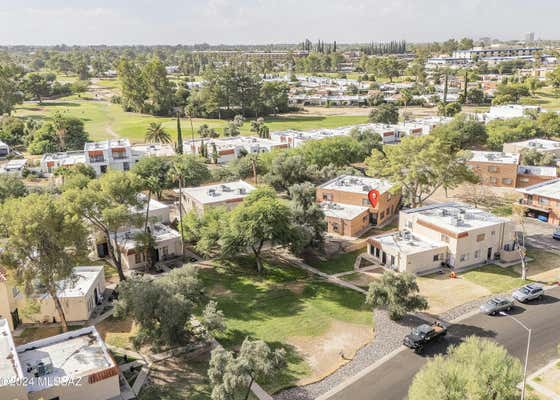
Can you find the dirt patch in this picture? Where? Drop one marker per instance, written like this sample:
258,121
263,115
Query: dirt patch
444,293
295,287
328,352
362,279
218,290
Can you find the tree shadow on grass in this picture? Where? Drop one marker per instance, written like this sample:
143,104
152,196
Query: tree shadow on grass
60,104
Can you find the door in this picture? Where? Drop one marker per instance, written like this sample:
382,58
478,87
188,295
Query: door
383,258
103,169
489,255
15,318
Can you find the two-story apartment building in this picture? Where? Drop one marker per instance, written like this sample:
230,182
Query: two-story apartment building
115,154
78,296
542,201
495,168
347,199
452,234
72,366
544,146
227,195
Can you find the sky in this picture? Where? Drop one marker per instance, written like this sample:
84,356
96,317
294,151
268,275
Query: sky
150,22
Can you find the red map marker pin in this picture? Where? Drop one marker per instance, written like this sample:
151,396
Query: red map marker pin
373,196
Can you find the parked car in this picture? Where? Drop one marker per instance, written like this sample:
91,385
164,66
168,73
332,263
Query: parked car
495,305
556,234
424,334
528,292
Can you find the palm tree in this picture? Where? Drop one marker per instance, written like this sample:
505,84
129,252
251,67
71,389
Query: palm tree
157,134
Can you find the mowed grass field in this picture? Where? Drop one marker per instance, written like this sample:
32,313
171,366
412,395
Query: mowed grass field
104,120
288,308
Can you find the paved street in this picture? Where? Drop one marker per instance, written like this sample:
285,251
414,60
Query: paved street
539,235
391,380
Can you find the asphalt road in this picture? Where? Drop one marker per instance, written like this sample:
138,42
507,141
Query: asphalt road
390,381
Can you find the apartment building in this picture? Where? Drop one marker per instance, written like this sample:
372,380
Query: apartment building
167,245
114,154
152,150
78,295
452,234
347,199
228,149
227,195
495,168
542,201
497,52
14,167
544,146
529,175
507,111
72,366
50,162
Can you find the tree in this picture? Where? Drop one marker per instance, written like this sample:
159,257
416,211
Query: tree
549,124
385,114
159,91
206,230
308,215
538,158
154,173
398,292
338,151
134,92
477,369
9,91
11,187
231,129
420,166
510,130
36,86
62,133
518,212
461,133
108,204
368,138
260,128
553,78
287,169
44,243
156,133
179,135
475,96
449,109
232,377
162,307
260,219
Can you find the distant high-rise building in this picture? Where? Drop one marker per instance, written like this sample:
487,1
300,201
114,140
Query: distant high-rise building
530,37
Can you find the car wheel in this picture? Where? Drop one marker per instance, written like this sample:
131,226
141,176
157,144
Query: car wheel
509,308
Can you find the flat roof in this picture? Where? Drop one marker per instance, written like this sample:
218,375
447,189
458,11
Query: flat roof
495,157
159,231
153,149
538,144
16,163
357,184
66,158
219,193
537,170
83,278
550,189
107,144
408,243
9,363
456,217
154,204
344,211
77,354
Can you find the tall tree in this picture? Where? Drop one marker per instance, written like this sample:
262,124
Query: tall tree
44,243
420,166
179,135
385,114
9,91
108,204
260,219
476,369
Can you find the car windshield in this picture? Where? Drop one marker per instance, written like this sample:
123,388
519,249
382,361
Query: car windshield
419,331
524,290
493,302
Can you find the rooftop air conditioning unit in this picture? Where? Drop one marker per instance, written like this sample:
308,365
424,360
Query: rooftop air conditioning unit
41,367
241,190
225,188
211,192
366,188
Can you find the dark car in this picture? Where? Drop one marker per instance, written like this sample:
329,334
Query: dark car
424,334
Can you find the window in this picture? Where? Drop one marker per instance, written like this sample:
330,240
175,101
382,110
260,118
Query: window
492,168
389,196
126,166
524,180
529,197
365,219
477,254
493,233
165,251
493,179
464,257
507,181
327,196
137,258
335,227
388,211
409,224
544,201
481,237
436,257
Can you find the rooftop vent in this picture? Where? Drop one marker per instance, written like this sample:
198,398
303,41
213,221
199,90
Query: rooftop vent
241,191
211,192
366,188
225,188
41,367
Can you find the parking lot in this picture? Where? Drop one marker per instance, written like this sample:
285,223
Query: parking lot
539,235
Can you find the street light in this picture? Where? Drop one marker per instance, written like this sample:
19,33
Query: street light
526,354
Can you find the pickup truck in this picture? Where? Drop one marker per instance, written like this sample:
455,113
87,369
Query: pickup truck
424,334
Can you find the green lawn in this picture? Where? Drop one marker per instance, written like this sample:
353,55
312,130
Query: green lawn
104,120
340,263
496,279
284,302
546,98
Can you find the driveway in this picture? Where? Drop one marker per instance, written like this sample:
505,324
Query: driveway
539,235
391,380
